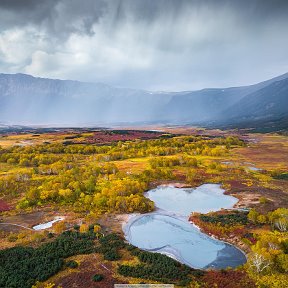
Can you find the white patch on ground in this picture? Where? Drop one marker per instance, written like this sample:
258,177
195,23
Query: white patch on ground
49,224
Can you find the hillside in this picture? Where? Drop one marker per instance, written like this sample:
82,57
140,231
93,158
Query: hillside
28,100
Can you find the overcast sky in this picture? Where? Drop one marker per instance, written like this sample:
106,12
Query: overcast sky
150,44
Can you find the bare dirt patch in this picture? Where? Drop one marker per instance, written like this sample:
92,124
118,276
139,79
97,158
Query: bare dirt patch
27,220
113,223
82,276
269,152
250,196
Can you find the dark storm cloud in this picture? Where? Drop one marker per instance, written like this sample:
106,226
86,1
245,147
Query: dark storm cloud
146,11
17,5
55,16
16,12
163,44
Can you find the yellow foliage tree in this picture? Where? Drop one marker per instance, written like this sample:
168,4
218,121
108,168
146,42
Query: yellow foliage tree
59,227
84,228
97,228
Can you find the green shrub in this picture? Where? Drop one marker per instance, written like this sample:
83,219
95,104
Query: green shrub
72,264
98,277
111,255
158,267
110,244
76,227
226,219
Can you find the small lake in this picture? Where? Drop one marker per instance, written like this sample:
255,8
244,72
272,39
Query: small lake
183,201
168,231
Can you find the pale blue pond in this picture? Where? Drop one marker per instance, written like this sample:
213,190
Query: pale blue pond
253,168
168,231
183,201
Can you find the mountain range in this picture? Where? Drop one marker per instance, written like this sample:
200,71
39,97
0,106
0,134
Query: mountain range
25,99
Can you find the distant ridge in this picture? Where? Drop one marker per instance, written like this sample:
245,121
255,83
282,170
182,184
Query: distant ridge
27,99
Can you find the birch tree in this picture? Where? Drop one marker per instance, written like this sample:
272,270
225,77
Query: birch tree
258,262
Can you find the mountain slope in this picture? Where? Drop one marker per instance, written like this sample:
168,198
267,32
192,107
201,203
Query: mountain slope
216,104
24,98
28,100
268,102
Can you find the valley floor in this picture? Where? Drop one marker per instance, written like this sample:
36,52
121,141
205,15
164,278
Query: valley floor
102,184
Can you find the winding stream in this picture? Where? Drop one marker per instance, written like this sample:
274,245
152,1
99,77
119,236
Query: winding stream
168,231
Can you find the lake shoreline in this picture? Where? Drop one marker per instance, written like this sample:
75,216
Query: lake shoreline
229,241
241,203
130,219
172,253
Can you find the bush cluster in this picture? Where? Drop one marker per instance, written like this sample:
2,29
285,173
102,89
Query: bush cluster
226,219
158,267
98,277
23,266
110,245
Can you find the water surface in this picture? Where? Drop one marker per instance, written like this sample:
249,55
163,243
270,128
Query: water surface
183,201
168,231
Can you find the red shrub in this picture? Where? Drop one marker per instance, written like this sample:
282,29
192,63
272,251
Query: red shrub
228,279
4,206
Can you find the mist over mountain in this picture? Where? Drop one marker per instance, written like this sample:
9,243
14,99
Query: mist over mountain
25,99
28,100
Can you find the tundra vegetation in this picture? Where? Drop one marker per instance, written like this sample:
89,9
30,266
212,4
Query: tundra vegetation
77,174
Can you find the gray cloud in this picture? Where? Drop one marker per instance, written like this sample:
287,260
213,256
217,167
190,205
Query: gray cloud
163,44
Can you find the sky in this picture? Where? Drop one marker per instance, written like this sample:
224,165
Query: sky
168,45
